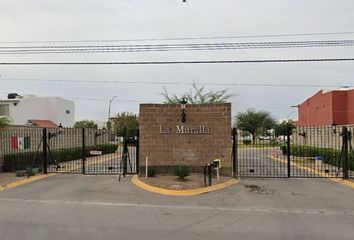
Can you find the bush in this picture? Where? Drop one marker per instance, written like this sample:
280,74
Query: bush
20,173
30,172
181,171
329,155
151,172
247,142
273,142
19,161
284,149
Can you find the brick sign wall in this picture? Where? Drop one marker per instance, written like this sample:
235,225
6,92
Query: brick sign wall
167,141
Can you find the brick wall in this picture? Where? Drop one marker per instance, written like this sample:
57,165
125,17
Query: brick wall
167,143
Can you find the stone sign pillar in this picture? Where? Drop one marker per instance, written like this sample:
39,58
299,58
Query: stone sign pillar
167,141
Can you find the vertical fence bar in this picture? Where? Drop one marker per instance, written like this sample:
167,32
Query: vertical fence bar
137,151
45,153
288,152
125,151
83,151
345,152
234,154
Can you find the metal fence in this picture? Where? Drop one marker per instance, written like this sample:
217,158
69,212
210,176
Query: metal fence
68,150
307,152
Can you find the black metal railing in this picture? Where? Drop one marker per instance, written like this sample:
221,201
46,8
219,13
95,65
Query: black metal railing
67,150
315,152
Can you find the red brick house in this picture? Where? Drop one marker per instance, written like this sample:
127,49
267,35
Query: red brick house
327,108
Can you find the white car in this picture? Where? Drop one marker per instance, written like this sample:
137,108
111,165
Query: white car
264,137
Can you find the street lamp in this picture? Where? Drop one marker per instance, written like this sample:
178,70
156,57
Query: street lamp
334,127
183,107
109,108
51,135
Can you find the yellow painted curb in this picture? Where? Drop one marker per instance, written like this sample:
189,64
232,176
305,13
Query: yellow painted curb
337,180
1,188
190,192
344,182
28,180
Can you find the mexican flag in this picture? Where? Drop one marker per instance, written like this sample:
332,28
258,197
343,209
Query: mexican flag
20,142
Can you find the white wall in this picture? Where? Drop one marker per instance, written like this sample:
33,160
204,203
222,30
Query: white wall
45,108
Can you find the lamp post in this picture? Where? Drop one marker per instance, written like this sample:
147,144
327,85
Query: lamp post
109,107
334,128
100,133
183,107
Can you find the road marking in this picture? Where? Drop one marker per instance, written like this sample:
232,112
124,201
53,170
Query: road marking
183,207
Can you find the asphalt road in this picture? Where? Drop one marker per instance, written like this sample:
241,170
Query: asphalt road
100,207
255,162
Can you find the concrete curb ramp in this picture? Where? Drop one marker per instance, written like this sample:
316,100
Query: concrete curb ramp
26,181
190,192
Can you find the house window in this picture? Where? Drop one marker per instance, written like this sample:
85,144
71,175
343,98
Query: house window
4,110
67,111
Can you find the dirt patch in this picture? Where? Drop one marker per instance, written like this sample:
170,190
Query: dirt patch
254,188
193,181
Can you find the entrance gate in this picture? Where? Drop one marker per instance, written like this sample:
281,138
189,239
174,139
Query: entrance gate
307,152
93,152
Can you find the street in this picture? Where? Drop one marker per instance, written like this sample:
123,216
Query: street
100,207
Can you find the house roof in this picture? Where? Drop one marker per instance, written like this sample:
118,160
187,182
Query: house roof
43,123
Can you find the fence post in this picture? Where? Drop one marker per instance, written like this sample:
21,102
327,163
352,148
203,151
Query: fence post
210,174
137,151
83,151
345,152
45,152
288,152
125,151
234,153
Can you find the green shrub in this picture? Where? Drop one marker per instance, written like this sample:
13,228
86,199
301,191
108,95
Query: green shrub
151,172
20,173
273,142
19,161
329,155
181,171
30,171
247,142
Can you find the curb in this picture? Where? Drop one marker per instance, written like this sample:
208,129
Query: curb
347,183
26,181
189,192
343,182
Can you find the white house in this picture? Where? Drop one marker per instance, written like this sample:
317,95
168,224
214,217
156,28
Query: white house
26,109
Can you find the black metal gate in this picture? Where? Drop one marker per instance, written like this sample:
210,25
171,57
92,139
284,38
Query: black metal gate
92,152
307,152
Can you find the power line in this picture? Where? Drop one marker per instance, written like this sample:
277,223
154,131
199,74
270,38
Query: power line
175,83
184,38
172,47
185,62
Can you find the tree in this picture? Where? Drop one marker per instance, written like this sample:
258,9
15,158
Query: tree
285,127
85,124
255,122
4,122
198,96
125,119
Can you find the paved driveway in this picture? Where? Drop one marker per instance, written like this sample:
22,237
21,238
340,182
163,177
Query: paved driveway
100,207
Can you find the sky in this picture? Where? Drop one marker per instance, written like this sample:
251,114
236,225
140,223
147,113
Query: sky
46,23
